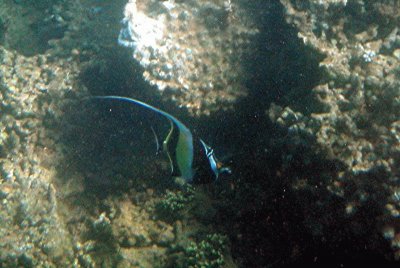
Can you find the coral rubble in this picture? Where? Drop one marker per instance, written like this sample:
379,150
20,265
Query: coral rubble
191,50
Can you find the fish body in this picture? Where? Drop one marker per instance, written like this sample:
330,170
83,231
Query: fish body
182,158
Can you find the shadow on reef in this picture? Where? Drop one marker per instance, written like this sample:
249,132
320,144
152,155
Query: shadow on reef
112,146
110,143
265,217
115,152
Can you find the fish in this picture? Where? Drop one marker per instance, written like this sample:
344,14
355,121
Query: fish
182,158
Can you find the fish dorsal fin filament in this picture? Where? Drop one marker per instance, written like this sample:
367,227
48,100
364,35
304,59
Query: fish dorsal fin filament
165,145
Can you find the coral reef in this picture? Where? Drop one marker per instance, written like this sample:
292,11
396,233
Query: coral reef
191,50
54,209
351,116
79,188
32,232
207,253
173,203
41,23
148,242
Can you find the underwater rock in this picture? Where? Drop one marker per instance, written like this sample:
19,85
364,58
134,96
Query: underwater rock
31,228
353,114
190,50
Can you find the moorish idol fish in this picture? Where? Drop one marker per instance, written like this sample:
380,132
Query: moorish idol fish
183,155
